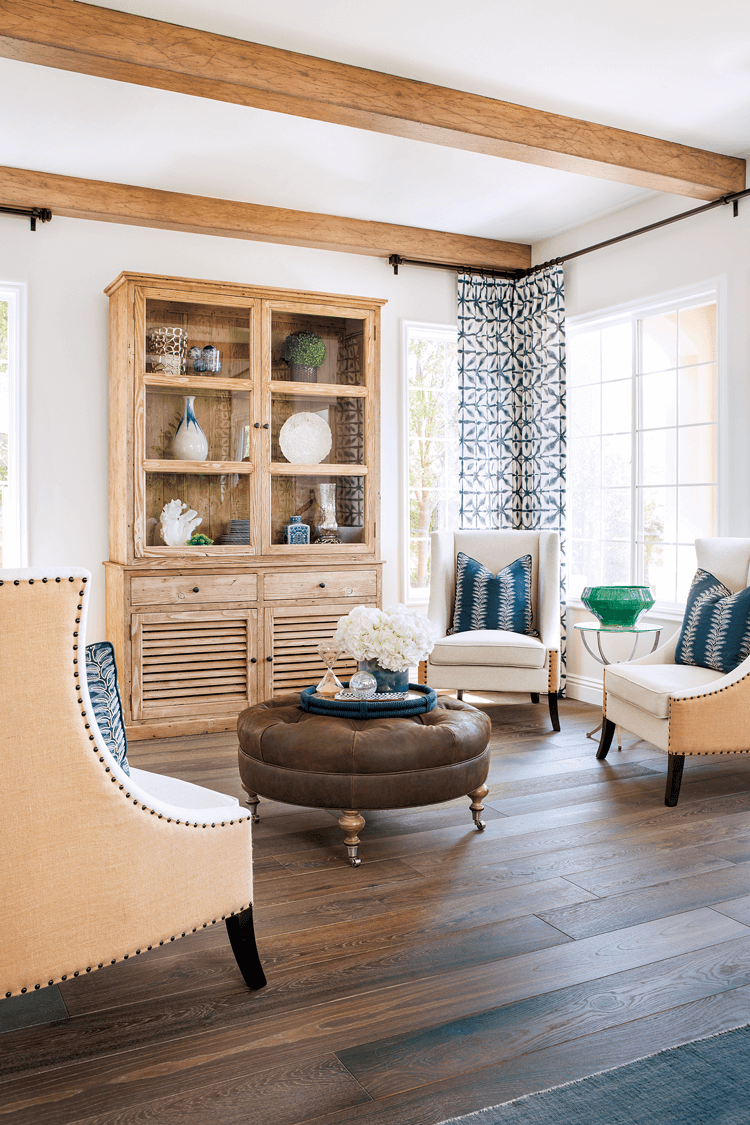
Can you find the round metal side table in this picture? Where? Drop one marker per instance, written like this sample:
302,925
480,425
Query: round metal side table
596,627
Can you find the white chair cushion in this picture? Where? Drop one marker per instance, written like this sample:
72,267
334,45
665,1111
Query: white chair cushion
183,794
650,685
496,647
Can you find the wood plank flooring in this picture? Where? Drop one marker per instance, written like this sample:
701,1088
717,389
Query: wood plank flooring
587,926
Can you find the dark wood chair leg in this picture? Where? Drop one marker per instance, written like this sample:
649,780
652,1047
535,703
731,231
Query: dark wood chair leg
674,778
535,697
552,700
608,730
242,939
459,693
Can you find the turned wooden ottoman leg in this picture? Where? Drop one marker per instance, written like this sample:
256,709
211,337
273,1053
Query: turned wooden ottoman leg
351,822
253,800
477,807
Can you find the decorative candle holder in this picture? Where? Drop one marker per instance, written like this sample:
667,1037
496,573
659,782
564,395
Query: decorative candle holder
166,349
326,525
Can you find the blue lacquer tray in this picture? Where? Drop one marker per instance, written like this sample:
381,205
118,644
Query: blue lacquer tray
368,708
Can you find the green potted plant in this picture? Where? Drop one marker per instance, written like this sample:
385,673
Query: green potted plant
304,352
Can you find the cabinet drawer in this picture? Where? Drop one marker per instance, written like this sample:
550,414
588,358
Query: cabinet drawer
182,590
322,584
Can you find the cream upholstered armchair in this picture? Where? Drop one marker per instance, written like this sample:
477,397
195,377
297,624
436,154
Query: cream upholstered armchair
496,659
98,863
684,709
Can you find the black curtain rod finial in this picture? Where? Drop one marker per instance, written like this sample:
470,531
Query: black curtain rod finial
42,214
395,261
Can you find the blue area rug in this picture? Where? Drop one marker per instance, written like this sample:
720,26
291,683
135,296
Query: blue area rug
706,1082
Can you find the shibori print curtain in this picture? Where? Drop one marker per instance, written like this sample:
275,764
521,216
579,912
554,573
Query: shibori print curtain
511,404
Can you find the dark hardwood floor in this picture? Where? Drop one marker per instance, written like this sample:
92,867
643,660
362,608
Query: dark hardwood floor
587,926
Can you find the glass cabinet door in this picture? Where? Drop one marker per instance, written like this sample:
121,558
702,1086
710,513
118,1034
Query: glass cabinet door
196,431
318,406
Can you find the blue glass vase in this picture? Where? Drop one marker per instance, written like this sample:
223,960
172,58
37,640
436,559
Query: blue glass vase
386,680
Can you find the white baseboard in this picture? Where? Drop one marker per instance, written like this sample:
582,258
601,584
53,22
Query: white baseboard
585,688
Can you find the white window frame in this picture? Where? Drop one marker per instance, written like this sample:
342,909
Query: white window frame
15,512
713,289
409,328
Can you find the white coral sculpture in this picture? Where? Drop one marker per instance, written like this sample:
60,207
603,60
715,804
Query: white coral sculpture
177,525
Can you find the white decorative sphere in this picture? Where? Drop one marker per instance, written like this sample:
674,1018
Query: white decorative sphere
305,439
363,684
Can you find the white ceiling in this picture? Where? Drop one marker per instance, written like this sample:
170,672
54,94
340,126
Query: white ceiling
677,69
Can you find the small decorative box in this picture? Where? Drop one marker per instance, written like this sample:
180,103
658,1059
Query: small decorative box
296,531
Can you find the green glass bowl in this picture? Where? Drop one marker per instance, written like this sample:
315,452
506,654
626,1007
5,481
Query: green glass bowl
617,607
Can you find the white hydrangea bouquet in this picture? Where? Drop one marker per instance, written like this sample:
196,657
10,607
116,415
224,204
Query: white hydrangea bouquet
397,637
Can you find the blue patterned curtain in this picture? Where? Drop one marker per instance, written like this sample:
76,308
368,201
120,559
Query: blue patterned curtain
511,403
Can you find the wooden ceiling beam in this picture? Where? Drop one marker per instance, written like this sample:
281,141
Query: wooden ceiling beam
198,214
81,37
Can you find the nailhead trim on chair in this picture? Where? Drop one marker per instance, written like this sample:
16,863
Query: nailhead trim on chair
672,702
187,824
126,956
706,695
550,663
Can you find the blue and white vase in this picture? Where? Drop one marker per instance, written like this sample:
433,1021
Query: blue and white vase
296,532
386,680
190,443
212,359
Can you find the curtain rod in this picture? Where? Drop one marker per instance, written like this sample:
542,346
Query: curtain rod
33,213
395,260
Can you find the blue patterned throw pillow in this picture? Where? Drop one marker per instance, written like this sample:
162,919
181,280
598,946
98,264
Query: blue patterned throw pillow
716,627
101,674
487,601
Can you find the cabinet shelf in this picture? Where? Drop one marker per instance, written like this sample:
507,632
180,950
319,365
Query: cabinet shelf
198,467
196,382
284,469
324,390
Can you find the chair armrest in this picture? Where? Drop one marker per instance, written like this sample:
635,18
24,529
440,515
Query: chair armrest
549,606
713,719
442,581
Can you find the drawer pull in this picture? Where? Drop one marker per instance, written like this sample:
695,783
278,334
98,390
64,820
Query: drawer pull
348,590
269,659
322,585
253,660
196,590
256,425
265,425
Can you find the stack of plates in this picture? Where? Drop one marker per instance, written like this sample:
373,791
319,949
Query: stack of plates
239,532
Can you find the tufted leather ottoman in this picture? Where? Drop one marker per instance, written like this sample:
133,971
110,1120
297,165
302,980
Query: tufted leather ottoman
291,755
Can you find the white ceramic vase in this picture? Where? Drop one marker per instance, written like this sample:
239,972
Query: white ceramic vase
190,443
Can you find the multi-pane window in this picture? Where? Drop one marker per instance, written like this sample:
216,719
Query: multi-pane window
432,460
12,521
642,446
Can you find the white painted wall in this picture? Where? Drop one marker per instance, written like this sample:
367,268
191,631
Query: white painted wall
688,253
67,264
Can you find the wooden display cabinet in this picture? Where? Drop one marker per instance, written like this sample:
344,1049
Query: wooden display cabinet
201,632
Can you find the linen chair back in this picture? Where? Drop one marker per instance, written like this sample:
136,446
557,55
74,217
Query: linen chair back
93,868
495,550
727,559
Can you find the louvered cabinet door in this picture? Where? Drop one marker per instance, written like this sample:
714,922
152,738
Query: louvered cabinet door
193,664
292,635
